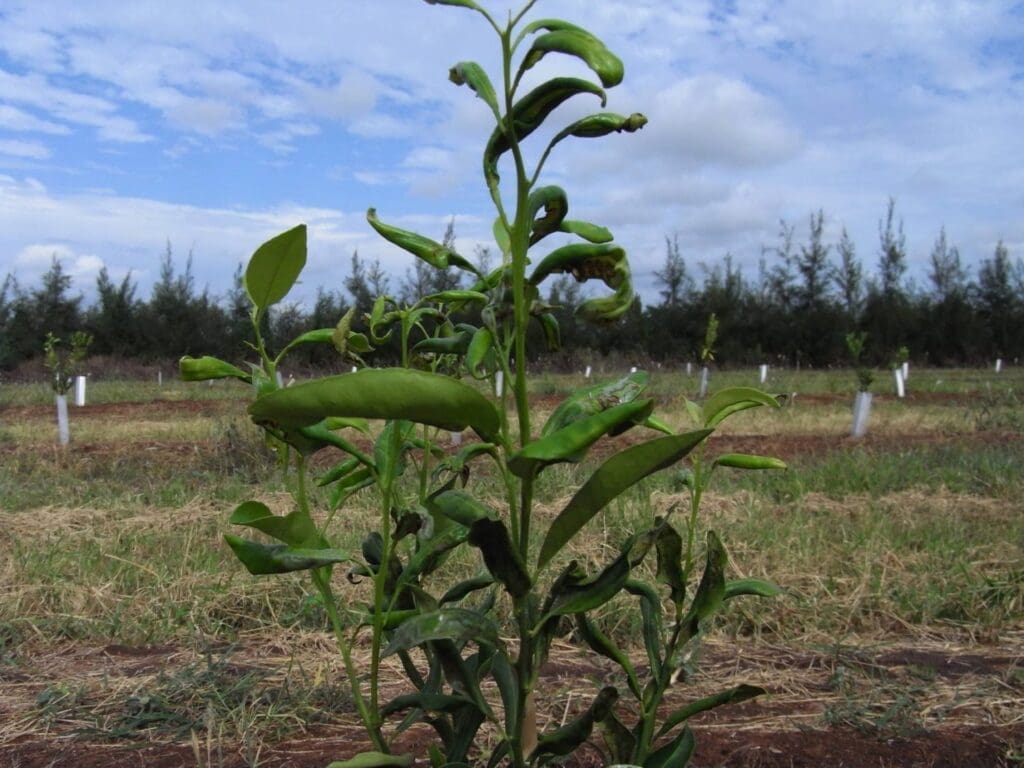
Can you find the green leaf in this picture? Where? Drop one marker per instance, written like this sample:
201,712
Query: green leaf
710,594
508,687
555,204
457,297
728,401
565,740
573,41
601,644
592,400
529,113
457,344
613,477
341,422
601,124
394,393
319,336
477,353
755,587
748,461
295,529
434,253
732,696
338,471
430,702
261,559
619,740
456,624
571,442
501,235
460,507
651,614
552,333
670,569
456,3
592,233
573,593
379,759
465,588
206,367
675,754
587,261
275,266
501,558
472,74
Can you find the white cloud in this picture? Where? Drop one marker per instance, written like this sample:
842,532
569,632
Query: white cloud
14,119
28,149
709,119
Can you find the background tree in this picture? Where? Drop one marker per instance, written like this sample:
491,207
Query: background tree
848,277
997,303
115,319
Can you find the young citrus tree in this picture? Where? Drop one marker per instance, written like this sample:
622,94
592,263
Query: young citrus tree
463,356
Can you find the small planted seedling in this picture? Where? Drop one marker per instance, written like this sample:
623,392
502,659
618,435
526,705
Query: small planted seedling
64,365
864,378
463,370
707,354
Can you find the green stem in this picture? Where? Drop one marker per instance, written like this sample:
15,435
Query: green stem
321,580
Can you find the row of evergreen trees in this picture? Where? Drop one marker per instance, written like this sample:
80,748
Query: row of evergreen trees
806,296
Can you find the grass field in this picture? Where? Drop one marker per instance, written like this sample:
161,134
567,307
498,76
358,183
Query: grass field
130,635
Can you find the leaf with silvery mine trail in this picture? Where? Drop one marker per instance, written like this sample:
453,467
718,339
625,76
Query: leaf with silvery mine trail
262,559
572,441
618,473
206,368
726,402
591,400
375,760
395,393
275,266
456,624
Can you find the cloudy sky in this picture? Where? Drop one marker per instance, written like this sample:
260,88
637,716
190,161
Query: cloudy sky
215,124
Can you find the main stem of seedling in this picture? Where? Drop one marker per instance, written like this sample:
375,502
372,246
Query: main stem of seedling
519,235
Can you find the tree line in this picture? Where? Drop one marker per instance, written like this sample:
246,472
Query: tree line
806,296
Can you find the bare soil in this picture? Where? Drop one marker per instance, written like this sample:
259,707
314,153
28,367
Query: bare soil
967,709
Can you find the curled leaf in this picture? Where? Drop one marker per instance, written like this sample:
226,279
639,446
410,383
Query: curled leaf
569,39
206,367
418,396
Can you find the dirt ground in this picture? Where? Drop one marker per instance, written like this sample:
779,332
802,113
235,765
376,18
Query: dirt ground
922,702
829,708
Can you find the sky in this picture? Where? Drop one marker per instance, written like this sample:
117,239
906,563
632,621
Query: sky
213,125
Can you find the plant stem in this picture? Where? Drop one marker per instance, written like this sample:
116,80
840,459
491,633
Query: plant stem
321,580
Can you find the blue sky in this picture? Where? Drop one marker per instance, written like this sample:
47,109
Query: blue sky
216,124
